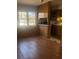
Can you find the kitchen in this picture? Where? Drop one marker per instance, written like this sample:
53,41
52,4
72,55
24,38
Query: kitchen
39,28
50,18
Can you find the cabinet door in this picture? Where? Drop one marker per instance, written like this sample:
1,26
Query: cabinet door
44,30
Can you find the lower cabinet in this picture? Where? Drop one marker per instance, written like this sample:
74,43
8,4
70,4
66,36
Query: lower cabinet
56,31
43,30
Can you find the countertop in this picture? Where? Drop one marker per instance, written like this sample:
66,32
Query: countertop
43,24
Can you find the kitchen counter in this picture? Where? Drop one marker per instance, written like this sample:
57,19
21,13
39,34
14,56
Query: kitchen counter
53,23
43,24
58,24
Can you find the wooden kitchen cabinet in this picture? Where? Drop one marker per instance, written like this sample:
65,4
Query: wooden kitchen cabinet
44,13
44,30
56,31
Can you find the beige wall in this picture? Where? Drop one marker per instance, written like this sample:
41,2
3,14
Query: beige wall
27,31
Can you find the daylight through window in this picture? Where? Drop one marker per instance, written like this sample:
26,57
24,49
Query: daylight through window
26,18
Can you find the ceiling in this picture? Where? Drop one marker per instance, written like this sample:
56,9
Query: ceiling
55,3
31,2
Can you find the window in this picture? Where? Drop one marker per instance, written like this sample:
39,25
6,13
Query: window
31,18
26,18
22,16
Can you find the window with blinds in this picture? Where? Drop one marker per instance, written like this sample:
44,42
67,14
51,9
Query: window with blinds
26,18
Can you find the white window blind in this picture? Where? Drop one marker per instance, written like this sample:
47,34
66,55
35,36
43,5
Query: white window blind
31,18
26,18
